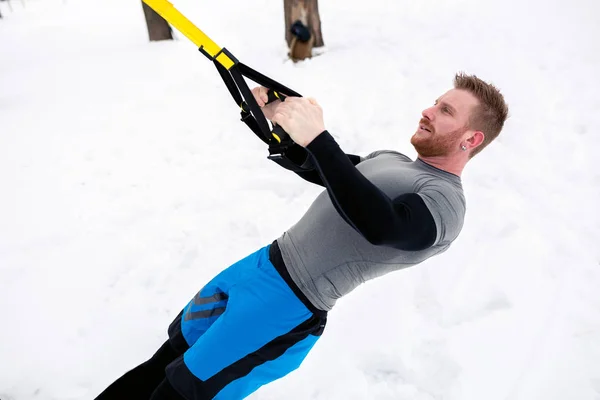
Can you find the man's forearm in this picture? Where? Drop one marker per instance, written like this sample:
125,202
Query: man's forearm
314,176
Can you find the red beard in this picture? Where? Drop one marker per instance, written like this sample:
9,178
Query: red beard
433,145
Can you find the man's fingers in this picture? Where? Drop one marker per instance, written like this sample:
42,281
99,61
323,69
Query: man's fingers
262,98
263,94
280,117
258,96
276,118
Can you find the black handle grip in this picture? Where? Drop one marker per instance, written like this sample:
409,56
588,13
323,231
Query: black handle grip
280,135
274,96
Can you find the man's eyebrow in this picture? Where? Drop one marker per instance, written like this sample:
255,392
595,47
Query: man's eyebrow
452,109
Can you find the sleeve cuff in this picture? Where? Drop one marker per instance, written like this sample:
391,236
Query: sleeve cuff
322,144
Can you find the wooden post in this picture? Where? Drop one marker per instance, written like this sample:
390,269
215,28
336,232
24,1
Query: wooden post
158,27
307,12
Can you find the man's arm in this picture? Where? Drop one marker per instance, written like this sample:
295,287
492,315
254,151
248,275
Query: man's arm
314,176
404,222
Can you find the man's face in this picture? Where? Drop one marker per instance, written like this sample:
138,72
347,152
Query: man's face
444,125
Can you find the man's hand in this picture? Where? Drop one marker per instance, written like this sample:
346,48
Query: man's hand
260,95
301,118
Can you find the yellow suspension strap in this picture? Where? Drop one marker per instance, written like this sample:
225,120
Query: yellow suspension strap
282,149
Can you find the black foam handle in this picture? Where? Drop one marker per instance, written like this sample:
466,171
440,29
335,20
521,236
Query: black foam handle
274,96
280,135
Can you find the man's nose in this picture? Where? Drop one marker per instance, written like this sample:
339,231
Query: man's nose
428,113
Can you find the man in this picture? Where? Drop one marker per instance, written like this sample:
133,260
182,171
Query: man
256,321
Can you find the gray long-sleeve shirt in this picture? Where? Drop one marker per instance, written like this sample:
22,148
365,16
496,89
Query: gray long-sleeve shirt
327,257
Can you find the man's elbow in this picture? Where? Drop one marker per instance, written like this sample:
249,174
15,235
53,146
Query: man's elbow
405,242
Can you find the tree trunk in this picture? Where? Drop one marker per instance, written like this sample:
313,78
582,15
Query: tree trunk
307,12
158,27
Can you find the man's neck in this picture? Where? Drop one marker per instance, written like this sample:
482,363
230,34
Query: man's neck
444,163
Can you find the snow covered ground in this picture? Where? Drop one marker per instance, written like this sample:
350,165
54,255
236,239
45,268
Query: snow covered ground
127,181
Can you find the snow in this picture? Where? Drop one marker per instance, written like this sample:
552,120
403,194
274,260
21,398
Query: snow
128,181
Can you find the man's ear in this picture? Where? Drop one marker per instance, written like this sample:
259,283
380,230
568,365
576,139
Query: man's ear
476,139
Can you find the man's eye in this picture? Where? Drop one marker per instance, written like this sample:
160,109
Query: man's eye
446,109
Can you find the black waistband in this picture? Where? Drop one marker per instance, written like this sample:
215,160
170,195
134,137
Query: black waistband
277,261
